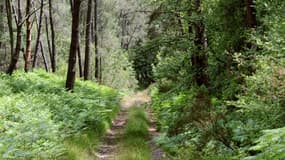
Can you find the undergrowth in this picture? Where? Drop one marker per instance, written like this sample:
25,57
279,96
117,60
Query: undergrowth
249,128
38,115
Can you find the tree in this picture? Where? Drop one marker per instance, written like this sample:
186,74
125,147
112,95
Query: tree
199,58
71,72
2,12
79,59
53,41
15,56
250,20
39,34
29,26
10,24
87,40
97,56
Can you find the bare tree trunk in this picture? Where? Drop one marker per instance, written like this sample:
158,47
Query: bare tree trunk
15,56
97,63
29,26
79,59
71,5
39,34
81,74
199,59
48,39
10,24
71,73
53,41
124,20
87,40
2,27
43,55
250,20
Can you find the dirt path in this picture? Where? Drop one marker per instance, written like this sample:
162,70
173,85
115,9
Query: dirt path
107,150
157,153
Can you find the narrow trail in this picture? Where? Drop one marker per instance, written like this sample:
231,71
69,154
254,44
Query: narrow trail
157,153
108,149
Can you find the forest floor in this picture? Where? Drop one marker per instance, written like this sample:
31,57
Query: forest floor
111,146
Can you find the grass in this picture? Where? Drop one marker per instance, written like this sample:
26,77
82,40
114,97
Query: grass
82,146
133,145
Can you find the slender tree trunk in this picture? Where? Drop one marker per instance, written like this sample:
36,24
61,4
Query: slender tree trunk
15,56
124,30
71,5
10,24
48,39
92,28
29,26
250,19
199,59
71,73
87,40
43,55
2,27
78,48
97,63
39,34
53,41
79,59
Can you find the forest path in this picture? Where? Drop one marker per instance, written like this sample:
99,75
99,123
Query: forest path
109,147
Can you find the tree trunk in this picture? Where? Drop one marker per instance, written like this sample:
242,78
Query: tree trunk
97,67
53,41
2,27
48,39
199,58
123,24
250,20
43,55
79,59
29,26
15,56
87,40
10,24
71,5
71,73
39,34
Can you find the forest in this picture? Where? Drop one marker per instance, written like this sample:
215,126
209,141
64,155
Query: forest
142,79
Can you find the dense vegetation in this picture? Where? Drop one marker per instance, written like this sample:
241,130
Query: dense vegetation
238,113
37,114
215,70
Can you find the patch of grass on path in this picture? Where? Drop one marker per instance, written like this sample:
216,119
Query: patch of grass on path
134,142
82,146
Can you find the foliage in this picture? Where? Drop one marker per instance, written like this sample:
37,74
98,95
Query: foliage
118,73
271,145
235,125
38,114
246,72
27,129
